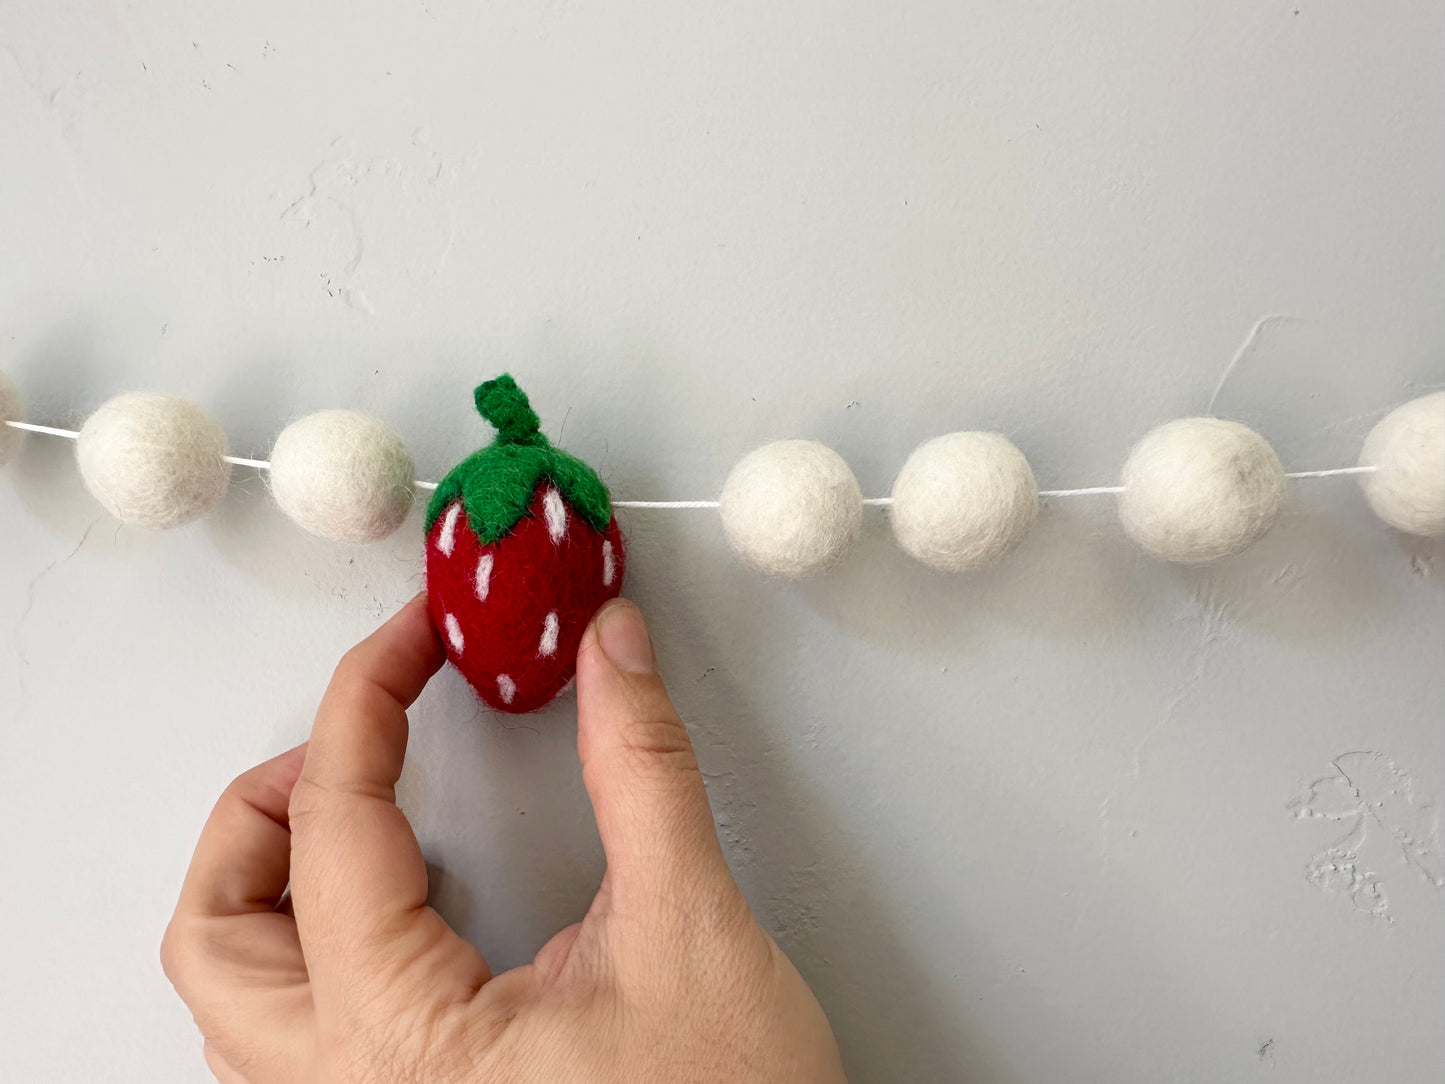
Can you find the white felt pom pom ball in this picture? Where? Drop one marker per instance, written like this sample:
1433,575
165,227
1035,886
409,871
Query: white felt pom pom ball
12,409
343,475
791,508
962,500
1407,448
1198,489
153,460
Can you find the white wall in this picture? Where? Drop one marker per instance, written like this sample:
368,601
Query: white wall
1032,824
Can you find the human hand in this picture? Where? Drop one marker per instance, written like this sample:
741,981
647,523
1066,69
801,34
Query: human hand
668,977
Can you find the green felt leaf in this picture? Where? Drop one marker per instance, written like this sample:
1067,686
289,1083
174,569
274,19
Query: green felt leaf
449,490
496,483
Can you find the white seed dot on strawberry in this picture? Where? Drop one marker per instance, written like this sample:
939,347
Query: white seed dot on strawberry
484,576
506,688
447,540
550,629
454,634
556,512
609,564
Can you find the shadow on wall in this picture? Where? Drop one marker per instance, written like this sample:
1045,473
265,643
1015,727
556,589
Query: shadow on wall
816,891
252,535
499,809
48,484
1321,576
1067,580
44,473
1315,578
811,884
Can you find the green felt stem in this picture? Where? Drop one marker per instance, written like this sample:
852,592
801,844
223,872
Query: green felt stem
505,405
496,483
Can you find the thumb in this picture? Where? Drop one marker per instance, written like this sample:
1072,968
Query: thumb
639,767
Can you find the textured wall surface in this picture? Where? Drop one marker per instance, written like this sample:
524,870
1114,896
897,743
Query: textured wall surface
1076,817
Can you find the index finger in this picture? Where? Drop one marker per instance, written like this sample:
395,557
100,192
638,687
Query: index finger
355,863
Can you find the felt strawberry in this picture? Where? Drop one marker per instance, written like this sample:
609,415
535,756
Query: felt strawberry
521,550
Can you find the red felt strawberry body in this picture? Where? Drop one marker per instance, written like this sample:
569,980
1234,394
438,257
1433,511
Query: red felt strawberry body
521,550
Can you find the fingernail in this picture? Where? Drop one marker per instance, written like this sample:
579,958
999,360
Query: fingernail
622,635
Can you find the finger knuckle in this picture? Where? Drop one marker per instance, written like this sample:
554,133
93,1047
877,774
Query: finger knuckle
306,797
174,951
656,748
312,796
655,732
239,786
349,666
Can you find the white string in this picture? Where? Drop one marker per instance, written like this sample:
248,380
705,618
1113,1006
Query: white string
49,431
1089,491
664,504
1332,472
881,502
